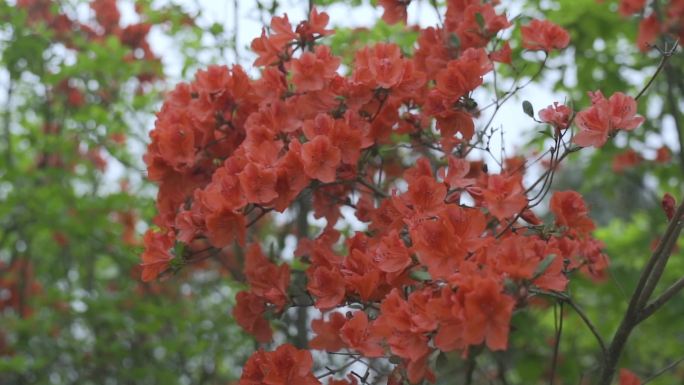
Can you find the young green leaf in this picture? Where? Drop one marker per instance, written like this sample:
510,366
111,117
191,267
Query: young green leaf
528,109
543,266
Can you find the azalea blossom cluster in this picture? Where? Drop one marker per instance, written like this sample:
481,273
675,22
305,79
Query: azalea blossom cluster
605,117
451,249
655,23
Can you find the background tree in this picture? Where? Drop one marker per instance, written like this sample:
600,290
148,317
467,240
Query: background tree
79,86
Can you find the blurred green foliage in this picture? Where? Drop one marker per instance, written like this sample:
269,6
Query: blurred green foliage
75,108
625,203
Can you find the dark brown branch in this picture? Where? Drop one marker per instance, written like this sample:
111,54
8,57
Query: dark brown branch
471,365
632,316
655,257
301,339
662,299
332,371
541,178
263,212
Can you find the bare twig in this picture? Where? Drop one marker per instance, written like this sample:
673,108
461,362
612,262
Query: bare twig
587,322
372,187
236,29
263,212
556,344
567,299
435,6
664,59
662,371
331,371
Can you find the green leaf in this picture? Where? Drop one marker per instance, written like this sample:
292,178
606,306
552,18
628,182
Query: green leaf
179,249
298,265
510,286
420,275
480,20
454,40
528,109
216,29
543,266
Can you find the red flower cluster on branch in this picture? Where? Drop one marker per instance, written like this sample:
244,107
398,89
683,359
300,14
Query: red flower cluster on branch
451,250
655,23
544,35
605,117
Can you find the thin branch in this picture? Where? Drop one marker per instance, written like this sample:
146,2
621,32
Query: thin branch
651,264
301,339
471,365
263,212
435,6
567,299
565,154
587,322
662,299
556,344
513,90
236,29
372,187
331,371
667,245
501,370
632,316
666,56
662,371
